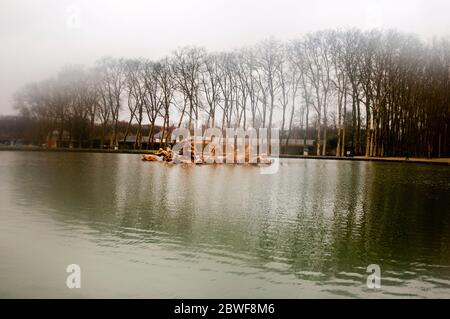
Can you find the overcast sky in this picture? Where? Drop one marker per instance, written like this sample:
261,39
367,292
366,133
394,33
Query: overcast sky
38,37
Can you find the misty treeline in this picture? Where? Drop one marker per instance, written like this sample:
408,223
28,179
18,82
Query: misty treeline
379,93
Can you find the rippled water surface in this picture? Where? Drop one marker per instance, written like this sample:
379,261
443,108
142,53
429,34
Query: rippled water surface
141,229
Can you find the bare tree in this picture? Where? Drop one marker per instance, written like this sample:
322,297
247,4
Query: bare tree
112,83
186,68
269,61
166,82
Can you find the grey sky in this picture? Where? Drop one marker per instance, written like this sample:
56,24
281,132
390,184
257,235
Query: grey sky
41,36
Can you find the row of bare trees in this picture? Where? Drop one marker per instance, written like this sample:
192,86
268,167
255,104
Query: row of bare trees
376,93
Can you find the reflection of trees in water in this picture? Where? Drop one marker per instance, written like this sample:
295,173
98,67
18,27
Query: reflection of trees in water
409,214
346,208
323,216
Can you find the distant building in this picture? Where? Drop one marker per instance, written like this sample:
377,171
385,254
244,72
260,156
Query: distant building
297,142
55,139
130,141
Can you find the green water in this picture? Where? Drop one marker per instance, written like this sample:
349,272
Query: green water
141,229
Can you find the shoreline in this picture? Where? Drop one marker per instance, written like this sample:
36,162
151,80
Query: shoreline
428,161
75,150
413,160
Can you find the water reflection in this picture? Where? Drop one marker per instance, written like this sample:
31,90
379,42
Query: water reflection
309,230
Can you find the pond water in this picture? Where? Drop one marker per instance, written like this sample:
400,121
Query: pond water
154,230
